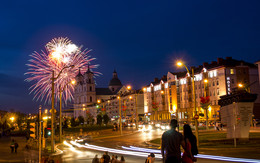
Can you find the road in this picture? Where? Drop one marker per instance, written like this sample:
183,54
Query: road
72,154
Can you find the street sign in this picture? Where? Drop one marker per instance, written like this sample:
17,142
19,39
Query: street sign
196,116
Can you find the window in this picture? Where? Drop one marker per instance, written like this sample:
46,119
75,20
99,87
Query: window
89,80
90,98
232,81
90,88
213,84
232,71
217,82
214,93
217,91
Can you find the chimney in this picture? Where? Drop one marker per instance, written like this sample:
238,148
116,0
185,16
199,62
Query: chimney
220,60
164,77
156,80
228,58
205,64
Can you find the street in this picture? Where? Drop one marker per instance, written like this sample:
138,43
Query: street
137,139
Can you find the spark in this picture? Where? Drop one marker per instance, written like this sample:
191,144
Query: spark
60,52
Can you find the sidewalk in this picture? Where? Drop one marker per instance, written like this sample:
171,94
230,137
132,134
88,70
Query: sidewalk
22,155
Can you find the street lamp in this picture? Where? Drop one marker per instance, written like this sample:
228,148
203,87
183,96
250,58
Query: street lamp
12,119
240,85
179,63
52,104
205,95
120,115
61,90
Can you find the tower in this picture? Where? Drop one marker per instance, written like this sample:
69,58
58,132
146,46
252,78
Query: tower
114,83
90,86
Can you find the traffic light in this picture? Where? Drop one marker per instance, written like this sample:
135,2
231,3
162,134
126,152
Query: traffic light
47,132
32,130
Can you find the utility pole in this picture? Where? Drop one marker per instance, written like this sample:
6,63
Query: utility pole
52,112
120,115
195,108
40,133
136,112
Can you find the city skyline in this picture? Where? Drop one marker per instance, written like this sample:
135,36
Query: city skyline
140,40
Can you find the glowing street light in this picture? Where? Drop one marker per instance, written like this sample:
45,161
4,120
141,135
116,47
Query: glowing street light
179,64
129,87
205,81
240,85
12,119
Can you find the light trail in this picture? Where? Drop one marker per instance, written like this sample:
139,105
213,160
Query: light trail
221,158
118,151
144,152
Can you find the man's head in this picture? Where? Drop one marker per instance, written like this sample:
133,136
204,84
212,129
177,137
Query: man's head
174,123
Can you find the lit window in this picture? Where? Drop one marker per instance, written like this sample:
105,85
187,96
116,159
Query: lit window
232,71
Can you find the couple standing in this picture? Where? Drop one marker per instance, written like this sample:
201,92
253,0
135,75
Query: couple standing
171,142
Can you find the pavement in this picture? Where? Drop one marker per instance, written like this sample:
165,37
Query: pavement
22,154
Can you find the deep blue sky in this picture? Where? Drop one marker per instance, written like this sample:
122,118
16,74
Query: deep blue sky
140,39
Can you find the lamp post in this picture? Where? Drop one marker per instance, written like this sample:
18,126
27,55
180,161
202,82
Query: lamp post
52,104
205,95
120,115
61,90
40,133
194,97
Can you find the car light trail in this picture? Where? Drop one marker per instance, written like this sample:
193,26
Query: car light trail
118,151
221,158
143,152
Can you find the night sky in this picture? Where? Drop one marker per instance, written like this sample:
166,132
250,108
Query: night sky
140,39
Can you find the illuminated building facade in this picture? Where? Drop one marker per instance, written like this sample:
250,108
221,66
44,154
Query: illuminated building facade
89,100
86,94
223,76
156,106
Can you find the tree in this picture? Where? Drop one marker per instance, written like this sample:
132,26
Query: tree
65,124
106,119
99,119
205,102
73,122
81,120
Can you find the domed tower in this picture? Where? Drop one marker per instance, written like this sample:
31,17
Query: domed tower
114,83
90,86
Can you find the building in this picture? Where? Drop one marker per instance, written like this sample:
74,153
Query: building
86,93
89,100
155,100
222,76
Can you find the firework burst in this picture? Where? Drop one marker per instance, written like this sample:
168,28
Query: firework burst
60,55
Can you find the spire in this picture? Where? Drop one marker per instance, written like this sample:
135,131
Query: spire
115,74
79,74
89,71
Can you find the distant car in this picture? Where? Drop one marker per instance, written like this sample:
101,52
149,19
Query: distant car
165,126
145,127
84,139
